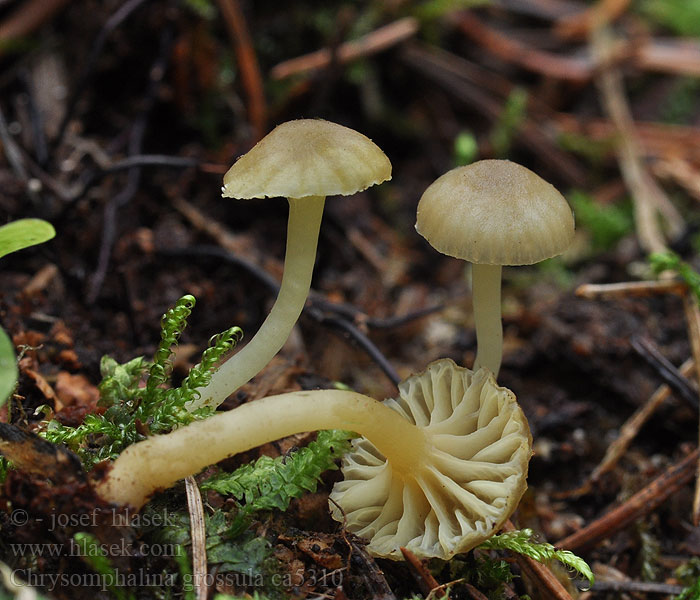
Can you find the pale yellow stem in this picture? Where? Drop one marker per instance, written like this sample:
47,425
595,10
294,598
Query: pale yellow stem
486,299
303,227
158,462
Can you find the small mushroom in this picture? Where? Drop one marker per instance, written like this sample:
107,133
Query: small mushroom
304,161
441,469
494,213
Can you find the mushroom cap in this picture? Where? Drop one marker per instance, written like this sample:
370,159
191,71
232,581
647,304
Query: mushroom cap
495,212
467,487
307,157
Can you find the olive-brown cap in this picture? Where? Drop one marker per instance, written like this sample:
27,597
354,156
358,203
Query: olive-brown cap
495,212
307,157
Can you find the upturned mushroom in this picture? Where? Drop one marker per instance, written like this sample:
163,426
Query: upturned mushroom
441,467
304,161
494,213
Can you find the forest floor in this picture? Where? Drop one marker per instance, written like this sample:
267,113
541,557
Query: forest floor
117,122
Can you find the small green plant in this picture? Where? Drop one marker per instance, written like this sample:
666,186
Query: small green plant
521,541
466,148
670,261
692,592
16,236
680,16
509,122
8,367
23,233
271,483
606,224
135,395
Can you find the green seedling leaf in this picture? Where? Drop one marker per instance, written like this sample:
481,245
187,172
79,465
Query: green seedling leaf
8,367
24,233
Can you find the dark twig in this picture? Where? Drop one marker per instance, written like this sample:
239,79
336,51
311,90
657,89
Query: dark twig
247,64
152,160
318,307
645,587
347,311
372,574
424,578
669,373
360,339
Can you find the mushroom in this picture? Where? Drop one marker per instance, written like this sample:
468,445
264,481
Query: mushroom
305,161
441,469
494,213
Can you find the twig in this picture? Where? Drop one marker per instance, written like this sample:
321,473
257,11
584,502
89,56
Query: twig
669,373
473,593
362,340
631,427
311,309
372,574
247,63
631,289
547,584
198,535
642,503
26,18
507,48
681,171
151,160
650,201
424,578
371,43
692,317
655,139
451,72
581,25
645,587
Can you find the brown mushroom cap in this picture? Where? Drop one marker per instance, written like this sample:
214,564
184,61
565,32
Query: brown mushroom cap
466,485
495,212
307,157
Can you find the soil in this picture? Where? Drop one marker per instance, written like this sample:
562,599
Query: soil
95,83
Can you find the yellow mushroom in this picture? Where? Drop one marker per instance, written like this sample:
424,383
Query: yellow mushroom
303,161
439,470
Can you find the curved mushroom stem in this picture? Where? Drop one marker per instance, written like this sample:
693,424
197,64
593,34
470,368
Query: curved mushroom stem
160,461
303,227
486,298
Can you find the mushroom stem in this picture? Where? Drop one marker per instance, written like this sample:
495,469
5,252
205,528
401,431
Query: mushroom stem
302,238
486,298
160,461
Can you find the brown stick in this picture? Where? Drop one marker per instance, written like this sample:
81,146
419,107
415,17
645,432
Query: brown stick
632,426
198,536
650,201
426,582
581,25
247,63
655,139
27,18
631,289
372,43
642,503
549,587
507,48
692,317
